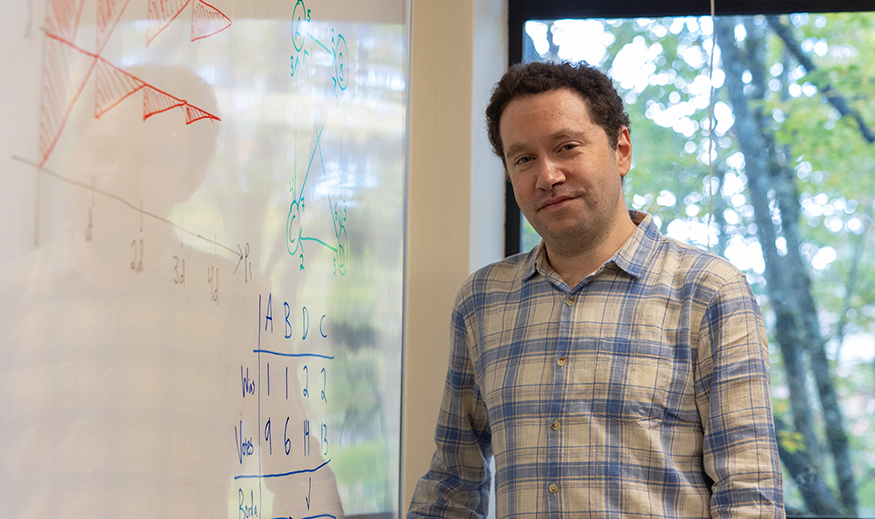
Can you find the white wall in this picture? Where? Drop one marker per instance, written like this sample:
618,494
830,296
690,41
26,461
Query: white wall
455,196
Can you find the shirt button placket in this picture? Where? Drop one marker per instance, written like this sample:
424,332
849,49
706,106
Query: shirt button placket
562,379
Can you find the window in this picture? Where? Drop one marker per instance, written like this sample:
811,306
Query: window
784,187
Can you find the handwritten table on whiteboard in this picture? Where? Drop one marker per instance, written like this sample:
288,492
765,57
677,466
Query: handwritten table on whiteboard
201,284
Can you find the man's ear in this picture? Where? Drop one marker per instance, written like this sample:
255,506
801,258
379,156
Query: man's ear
624,151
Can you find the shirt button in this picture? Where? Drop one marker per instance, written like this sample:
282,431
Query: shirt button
569,301
561,361
554,488
555,425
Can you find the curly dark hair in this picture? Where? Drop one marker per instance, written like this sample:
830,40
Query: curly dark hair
605,105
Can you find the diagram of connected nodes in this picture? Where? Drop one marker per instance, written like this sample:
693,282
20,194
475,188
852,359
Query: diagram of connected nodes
308,49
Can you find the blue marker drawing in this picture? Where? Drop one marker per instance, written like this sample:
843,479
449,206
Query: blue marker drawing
282,354
282,474
308,517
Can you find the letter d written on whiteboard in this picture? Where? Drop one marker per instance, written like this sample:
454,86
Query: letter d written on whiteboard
249,511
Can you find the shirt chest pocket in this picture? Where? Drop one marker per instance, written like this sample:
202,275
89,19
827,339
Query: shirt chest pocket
625,376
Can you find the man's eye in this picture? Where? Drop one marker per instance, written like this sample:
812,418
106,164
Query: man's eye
523,160
568,147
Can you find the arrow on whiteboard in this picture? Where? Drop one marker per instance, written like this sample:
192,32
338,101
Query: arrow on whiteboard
247,265
241,258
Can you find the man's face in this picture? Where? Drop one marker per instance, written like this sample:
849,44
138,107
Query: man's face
566,177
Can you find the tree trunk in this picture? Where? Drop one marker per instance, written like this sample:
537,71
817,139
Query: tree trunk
787,195
787,331
818,498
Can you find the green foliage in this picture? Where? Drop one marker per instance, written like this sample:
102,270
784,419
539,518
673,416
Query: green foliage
832,163
791,441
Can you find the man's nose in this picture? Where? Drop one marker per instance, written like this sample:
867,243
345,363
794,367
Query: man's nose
549,174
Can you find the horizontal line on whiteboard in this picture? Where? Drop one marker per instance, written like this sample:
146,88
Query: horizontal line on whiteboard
281,354
281,474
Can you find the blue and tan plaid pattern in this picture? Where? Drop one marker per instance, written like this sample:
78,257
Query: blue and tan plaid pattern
641,392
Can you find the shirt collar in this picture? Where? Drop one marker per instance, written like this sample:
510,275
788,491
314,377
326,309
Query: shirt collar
534,261
631,258
635,253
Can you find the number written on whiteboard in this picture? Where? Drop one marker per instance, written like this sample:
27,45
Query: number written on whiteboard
137,262
213,280
179,271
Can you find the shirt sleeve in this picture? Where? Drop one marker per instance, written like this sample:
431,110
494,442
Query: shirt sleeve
457,483
734,399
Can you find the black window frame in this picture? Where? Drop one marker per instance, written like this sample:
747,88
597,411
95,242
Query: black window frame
520,11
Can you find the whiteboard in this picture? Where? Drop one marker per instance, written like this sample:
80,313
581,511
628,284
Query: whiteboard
201,219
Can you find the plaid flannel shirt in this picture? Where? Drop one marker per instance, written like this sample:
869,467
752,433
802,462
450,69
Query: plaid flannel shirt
641,392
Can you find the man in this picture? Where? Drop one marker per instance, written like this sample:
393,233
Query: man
611,371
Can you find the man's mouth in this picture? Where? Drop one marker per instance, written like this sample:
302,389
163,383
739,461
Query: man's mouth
556,202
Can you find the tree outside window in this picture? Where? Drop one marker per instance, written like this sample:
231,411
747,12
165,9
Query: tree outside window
775,172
